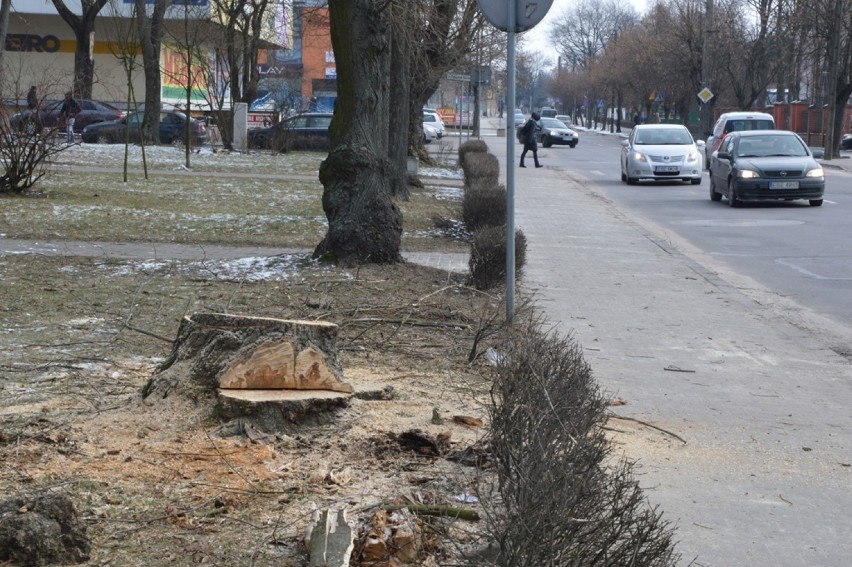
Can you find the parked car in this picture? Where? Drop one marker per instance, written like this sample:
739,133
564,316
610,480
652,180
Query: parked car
765,165
846,142
430,133
91,112
565,119
735,122
520,119
554,131
548,112
172,130
661,152
433,118
308,131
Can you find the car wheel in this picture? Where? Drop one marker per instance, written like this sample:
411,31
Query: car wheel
695,181
714,195
732,195
632,180
103,139
815,202
574,145
545,141
176,141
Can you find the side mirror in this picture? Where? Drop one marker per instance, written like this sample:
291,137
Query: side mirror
625,143
700,144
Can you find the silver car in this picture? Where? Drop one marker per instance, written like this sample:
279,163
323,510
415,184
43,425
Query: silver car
661,152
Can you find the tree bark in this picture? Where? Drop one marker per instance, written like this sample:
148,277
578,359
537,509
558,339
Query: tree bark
364,224
5,7
273,372
83,27
150,40
399,88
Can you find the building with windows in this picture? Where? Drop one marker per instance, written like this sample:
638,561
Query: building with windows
40,46
303,77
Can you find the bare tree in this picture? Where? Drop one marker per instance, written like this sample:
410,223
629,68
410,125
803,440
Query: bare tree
123,44
83,27
444,33
190,38
150,29
582,33
364,224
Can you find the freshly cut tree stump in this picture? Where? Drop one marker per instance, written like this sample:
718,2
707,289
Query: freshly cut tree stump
275,372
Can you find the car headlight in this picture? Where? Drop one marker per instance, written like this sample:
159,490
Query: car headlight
636,156
691,157
747,174
817,172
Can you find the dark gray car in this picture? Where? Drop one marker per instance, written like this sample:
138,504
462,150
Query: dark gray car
307,131
767,165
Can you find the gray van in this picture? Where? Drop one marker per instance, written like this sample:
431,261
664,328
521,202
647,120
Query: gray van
735,122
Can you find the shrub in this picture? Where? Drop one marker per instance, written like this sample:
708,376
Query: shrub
471,146
24,155
560,497
488,256
483,205
481,168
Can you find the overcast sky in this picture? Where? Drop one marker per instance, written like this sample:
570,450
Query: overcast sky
538,38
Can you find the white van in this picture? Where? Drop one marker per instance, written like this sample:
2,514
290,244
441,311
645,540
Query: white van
735,122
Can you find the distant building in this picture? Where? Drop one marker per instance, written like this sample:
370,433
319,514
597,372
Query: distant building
39,50
303,77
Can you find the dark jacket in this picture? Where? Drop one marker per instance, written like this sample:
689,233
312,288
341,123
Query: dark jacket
527,134
32,98
70,107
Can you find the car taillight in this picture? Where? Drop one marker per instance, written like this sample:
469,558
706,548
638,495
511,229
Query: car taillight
200,127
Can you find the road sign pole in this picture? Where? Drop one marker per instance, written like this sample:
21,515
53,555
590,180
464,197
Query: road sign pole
510,165
504,15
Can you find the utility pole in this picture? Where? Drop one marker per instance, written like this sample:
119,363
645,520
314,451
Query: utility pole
706,122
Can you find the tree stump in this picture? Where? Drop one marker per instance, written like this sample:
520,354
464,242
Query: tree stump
274,372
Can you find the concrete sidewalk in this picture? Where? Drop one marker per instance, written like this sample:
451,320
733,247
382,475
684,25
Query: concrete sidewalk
755,460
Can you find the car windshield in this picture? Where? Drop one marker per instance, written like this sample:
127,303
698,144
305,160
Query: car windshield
663,137
770,146
552,123
429,118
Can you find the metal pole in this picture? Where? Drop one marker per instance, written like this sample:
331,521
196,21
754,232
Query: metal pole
510,167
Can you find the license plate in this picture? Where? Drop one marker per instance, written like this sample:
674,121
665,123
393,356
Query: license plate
666,168
783,184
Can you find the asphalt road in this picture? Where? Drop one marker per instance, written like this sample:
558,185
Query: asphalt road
750,387
802,253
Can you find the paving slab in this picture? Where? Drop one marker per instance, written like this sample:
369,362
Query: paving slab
752,455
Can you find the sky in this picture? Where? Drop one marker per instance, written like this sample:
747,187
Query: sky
537,39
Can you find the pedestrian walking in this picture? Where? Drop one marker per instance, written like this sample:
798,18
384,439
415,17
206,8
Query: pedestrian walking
33,118
32,98
527,138
68,111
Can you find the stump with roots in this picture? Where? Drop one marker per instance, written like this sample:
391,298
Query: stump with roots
276,373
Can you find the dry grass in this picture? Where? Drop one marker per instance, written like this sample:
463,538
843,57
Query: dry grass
257,199
154,481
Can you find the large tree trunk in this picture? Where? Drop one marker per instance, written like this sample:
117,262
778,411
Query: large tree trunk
150,40
364,224
274,373
83,27
399,86
5,7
